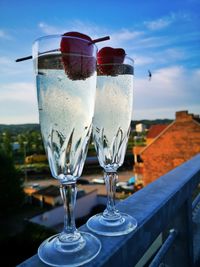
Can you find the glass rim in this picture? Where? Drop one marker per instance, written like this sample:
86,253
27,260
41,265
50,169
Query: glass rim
130,58
51,36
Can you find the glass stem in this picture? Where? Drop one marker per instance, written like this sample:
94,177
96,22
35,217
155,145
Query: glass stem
68,193
111,179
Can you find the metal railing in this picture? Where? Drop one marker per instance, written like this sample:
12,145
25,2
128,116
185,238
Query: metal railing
163,209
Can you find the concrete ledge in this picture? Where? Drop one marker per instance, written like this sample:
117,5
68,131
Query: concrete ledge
154,207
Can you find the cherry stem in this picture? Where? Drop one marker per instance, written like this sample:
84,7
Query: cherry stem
92,42
30,57
100,39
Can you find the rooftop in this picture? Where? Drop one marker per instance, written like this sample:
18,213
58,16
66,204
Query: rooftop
51,190
184,115
155,130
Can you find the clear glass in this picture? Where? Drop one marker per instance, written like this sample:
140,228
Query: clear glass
111,127
66,87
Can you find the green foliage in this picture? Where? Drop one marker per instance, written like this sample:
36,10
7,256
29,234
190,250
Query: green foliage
16,129
6,142
27,136
140,142
11,191
34,167
30,142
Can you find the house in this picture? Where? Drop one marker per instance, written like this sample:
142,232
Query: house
140,127
50,195
54,217
35,158
175,144
154,131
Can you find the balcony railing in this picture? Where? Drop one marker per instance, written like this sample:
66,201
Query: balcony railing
168,232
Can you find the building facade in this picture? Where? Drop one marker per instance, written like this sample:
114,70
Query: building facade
177,143
140,127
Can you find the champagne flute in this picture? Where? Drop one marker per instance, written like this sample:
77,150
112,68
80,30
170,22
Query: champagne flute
111,128
66,87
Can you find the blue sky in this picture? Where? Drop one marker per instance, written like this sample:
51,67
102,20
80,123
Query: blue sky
160,35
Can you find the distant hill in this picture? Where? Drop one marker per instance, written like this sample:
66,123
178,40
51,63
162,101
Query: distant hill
148,123
19,128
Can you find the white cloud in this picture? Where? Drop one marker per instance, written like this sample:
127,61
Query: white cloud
166,56
174,54
76,25
49,29
120,38
125,35
129,39
158,23
18,103
166,21
20,117
2,34
18,91
88,28
144,48
142,60
5,61
170,89
10,68
151,42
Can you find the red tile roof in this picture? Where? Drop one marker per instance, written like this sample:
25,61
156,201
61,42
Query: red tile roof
155,130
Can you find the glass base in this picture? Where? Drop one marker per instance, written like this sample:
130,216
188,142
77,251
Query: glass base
112,227
57,253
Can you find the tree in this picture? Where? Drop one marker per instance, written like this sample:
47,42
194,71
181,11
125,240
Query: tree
33,141
6,143
11,190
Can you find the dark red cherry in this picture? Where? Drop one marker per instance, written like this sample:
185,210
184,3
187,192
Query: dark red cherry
107,57
77,55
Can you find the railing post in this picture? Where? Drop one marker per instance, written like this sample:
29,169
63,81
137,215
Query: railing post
158,258
181,252
196,229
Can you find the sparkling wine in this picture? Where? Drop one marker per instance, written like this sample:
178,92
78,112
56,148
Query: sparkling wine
65,114
112,117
